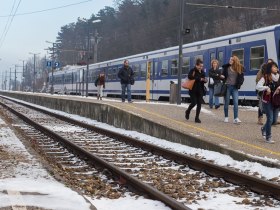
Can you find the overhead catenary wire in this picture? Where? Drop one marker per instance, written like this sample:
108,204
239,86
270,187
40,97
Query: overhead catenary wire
231,7
45,10
9,23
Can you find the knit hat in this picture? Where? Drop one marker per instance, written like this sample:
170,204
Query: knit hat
269,67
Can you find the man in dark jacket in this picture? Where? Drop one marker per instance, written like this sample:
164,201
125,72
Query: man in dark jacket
126,76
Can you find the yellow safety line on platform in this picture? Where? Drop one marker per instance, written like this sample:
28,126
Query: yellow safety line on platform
209,132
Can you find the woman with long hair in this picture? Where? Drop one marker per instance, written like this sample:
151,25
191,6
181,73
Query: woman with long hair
196,94
234,78
269,84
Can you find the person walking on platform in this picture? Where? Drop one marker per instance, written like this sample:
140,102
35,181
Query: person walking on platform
196,94
269,84
214,78
100,84
234,78
126,76
259,93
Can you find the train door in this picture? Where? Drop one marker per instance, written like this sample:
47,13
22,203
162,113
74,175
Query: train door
150,79
221,56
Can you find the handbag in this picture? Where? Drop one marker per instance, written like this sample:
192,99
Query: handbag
188,84
266,98
220,89
276,100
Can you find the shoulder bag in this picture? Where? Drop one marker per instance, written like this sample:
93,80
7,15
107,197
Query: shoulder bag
220,89
276,100
188,83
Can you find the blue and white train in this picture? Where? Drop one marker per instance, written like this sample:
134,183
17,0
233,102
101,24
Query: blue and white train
252,47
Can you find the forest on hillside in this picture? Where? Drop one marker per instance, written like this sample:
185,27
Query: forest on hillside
136,26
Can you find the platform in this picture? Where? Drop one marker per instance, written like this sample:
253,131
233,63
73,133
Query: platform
167,121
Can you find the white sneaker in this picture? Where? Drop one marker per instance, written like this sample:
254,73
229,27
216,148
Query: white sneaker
226,120
269,141
236,121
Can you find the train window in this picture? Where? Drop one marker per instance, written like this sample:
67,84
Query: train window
115,72
197,57
256,57
109,74
174,67
221,58
240,54
154,69
186,65
164,68
212,56
136,69
143,70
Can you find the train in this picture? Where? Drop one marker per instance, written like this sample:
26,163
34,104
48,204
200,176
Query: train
159,68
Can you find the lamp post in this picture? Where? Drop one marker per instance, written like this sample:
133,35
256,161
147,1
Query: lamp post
23,74
182,7
34,54
88,48
53,46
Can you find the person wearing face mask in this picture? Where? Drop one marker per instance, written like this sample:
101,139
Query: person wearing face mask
233,73
196,94
269,84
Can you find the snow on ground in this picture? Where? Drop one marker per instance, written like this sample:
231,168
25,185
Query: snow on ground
39,189
24,174
128,203
220,202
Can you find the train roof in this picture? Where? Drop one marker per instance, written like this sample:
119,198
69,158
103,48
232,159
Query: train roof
221,38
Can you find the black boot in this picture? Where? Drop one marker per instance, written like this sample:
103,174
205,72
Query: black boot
197,120
187,114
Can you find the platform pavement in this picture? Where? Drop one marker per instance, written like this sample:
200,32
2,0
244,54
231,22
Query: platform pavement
244,138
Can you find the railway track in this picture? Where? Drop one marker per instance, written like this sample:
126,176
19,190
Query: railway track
173,178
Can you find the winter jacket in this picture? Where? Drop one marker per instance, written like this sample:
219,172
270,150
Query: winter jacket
126,75
101,80
240,77
215,75
198,87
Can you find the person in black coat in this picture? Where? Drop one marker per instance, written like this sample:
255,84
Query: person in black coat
126,76
197,91
214,78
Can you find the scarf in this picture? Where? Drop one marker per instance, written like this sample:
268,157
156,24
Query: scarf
275,77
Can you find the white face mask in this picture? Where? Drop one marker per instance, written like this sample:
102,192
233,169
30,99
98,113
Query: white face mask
275,77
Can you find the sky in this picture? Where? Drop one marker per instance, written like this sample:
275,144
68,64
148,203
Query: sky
29,33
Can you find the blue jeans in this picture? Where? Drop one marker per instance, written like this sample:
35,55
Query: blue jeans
128,88
211,95
270,113
231,91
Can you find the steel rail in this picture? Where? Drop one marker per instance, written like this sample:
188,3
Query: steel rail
253,183
132,181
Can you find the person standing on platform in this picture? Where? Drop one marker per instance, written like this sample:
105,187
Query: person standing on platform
269,84
234,78
197,92
214,78
100,84
259,93
126,76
